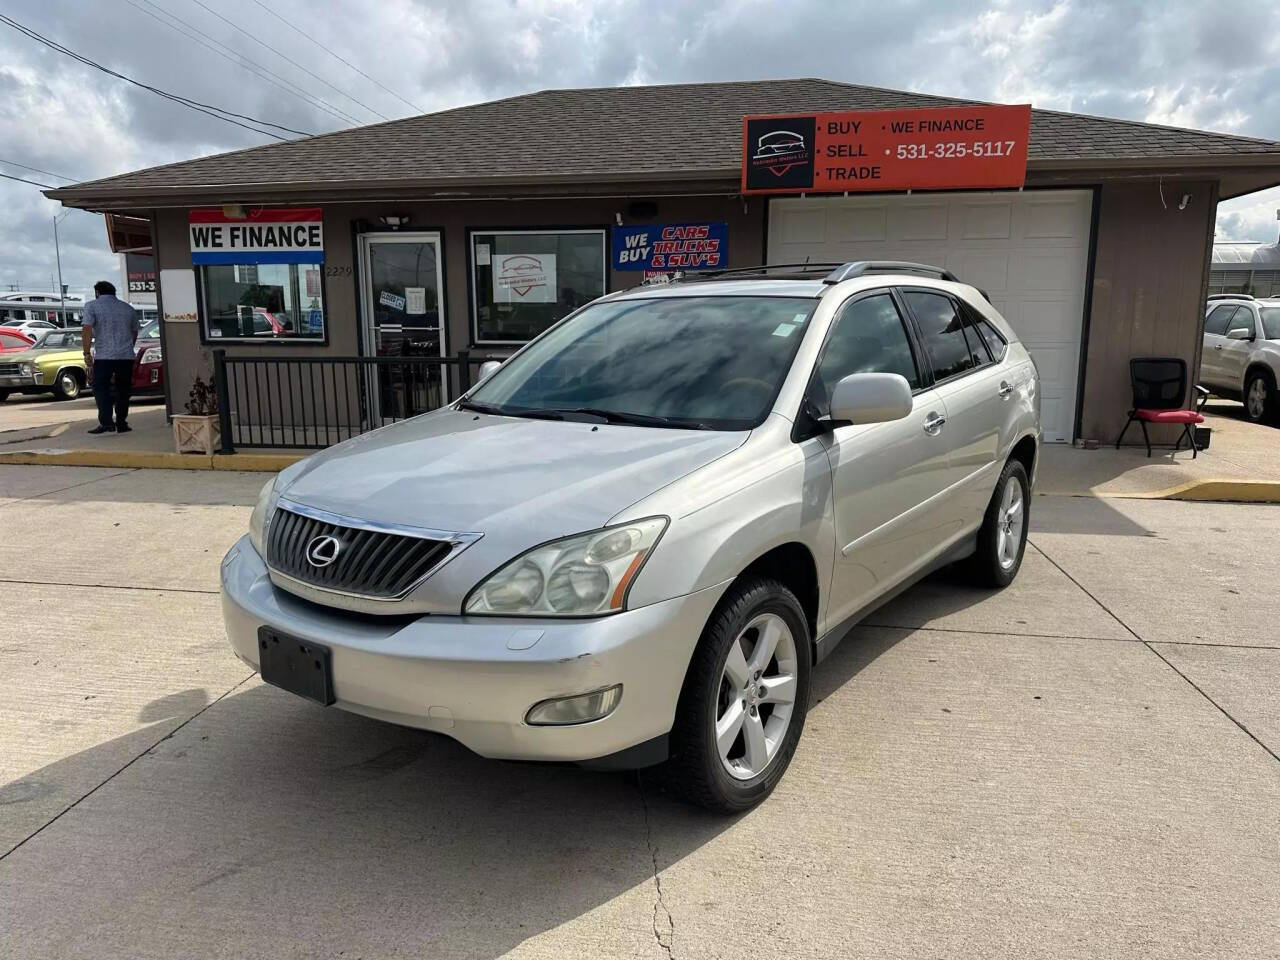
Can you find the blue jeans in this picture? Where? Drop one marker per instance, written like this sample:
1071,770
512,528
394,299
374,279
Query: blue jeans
105,374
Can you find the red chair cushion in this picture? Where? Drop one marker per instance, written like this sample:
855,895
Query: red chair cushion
1169,416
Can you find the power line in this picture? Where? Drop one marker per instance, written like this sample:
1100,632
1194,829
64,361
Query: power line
47,173
240,60
10,176
236,26
307,36
218,113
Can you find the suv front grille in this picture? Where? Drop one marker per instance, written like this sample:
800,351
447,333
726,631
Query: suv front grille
368,563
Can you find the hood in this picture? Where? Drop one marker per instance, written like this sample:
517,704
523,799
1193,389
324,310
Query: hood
40,356
531,480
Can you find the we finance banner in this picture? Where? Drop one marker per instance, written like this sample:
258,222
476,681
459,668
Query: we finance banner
289,235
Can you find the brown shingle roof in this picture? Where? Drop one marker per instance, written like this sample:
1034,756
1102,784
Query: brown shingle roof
680,131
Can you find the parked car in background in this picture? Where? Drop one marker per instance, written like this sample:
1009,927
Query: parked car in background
1240,358
30,327
148,367
631,543
13,340
53,364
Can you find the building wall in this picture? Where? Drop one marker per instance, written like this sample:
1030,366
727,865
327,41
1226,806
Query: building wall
187,357
1148,281
1149,278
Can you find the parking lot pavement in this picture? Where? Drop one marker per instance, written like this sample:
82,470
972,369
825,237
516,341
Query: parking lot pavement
1062,769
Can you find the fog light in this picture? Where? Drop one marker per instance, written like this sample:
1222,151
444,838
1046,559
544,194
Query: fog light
580,709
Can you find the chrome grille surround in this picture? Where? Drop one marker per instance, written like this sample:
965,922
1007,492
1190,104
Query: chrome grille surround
377,561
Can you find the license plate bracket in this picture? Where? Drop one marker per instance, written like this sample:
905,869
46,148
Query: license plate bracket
302,667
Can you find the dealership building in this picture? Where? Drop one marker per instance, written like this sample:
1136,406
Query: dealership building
471,230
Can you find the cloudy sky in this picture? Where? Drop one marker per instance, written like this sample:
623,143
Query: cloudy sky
1211,66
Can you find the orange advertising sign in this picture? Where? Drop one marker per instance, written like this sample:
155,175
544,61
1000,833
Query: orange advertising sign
934,148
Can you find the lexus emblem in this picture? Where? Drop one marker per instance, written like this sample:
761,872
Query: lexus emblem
322,551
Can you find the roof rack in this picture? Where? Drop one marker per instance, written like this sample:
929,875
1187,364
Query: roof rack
1231,296
785,271
828,272
859,268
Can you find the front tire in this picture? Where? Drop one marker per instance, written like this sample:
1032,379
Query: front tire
67,386
745,696
1002,538
1259,398
4,395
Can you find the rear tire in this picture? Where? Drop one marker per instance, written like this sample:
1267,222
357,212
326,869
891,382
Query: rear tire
744,700
1002,538
67,386
1259,398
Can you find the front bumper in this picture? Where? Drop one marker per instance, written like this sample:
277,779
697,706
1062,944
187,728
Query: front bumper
475,678
17,381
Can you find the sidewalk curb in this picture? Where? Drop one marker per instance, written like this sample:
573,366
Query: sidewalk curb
1204,491
150,460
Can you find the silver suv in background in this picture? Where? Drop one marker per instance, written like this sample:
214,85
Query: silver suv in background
633,542
1241,355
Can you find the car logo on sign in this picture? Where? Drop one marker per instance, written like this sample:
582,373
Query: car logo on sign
322,551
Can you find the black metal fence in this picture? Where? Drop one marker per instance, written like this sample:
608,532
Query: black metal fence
313,402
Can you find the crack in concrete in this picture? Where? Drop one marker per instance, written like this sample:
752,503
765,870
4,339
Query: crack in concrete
667,943
79,800
1163,659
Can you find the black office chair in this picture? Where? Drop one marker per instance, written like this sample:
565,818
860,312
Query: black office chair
1159,386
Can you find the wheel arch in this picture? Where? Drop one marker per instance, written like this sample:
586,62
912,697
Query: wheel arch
793,565
76,371
1025,451
1258,366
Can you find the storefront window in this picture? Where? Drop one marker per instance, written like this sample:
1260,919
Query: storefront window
263,301
524,281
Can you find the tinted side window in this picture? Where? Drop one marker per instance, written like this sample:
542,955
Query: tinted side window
1216,321
995,342
943,333
869,337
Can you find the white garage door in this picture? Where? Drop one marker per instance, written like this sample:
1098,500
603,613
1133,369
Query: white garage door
1029,251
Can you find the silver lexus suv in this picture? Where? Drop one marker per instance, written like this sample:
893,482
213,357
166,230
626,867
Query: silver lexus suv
633,542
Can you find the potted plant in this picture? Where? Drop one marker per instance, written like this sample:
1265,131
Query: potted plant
197,430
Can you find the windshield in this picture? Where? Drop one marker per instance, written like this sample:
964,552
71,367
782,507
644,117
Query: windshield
1270,322
710,362
150,330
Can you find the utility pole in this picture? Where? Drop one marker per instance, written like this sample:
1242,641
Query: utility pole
57,250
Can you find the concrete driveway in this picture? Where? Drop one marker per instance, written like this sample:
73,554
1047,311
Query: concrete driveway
1084,765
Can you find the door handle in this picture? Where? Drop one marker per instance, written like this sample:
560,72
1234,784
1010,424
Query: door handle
1005,390
933,423
1217,346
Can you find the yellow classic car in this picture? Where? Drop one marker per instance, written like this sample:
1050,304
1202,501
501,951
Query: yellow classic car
54,364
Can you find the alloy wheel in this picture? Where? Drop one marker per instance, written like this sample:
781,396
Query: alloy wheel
756,697
1257,398
1009,522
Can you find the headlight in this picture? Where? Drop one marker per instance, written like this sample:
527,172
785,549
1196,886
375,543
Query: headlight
580,576
28,369
259,519
150,355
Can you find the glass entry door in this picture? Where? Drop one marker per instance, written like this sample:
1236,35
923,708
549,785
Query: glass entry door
403,318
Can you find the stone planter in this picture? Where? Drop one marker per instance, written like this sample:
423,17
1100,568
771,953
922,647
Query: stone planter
196,434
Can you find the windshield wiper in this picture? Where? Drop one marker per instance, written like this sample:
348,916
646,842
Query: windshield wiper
636,419
531,412
563,413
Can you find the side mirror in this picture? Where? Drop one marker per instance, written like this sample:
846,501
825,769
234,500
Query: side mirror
489,368
871,398
1239,333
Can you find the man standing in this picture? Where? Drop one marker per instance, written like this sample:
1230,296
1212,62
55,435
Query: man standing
113,324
